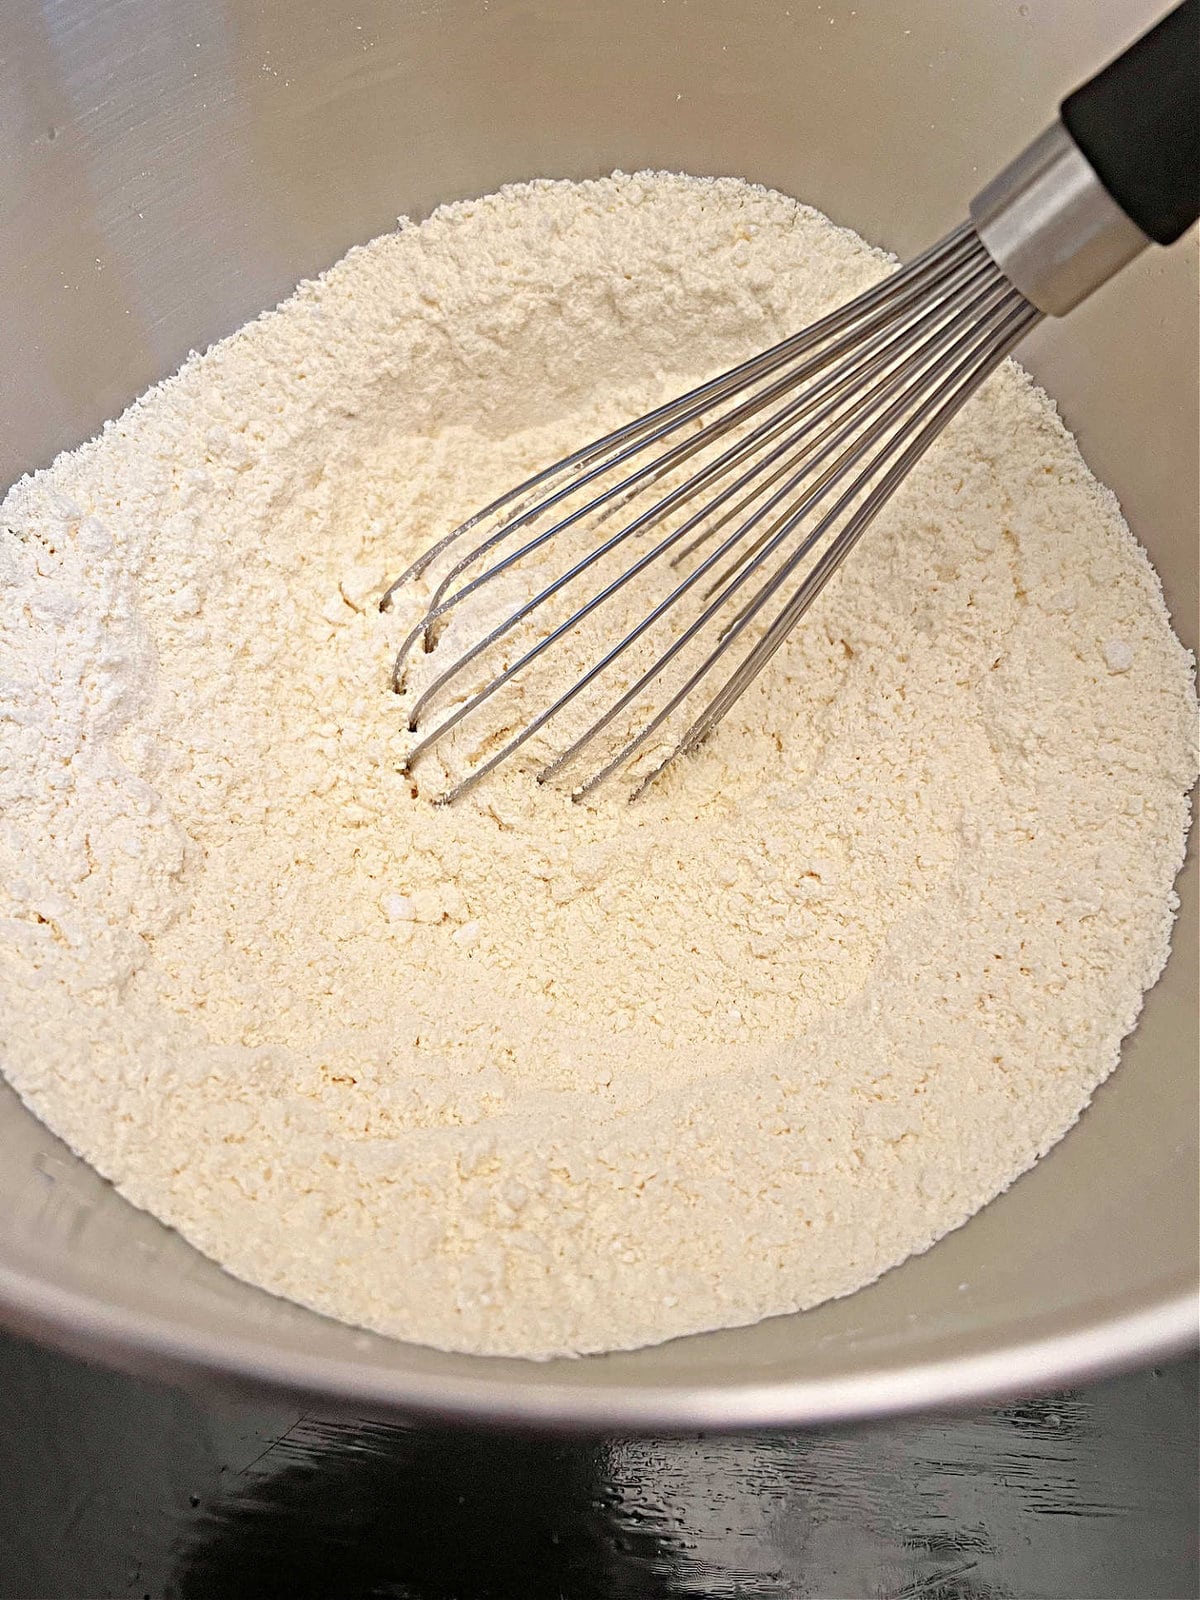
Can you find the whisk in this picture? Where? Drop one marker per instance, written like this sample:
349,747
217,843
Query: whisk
733,506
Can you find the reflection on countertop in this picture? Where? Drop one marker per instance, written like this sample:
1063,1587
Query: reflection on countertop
109,1486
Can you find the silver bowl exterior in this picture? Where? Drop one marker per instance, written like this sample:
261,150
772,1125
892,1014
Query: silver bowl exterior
168,171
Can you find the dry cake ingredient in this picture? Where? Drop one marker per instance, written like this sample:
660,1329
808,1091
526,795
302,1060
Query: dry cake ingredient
522,1076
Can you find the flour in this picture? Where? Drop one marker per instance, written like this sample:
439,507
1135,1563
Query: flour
523,1076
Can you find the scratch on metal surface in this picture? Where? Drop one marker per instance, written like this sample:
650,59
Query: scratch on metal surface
273,1446
935,1581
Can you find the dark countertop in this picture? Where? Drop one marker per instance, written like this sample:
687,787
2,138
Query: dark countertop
111,1487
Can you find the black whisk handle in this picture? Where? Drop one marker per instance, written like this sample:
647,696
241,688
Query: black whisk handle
1138,123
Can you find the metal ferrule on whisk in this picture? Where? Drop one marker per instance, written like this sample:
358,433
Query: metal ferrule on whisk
1052,227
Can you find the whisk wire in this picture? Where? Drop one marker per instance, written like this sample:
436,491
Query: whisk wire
969,256
926,263
851,404
810,456
874,355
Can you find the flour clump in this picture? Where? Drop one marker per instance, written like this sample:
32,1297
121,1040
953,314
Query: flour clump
520,1076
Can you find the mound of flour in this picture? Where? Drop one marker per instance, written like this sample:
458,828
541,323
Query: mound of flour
520,1075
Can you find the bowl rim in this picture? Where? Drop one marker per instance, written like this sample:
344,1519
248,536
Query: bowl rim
150,1346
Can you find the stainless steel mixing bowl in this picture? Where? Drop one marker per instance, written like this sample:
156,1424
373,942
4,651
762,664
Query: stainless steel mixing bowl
168,170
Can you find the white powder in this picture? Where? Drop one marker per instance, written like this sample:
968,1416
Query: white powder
523,1076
